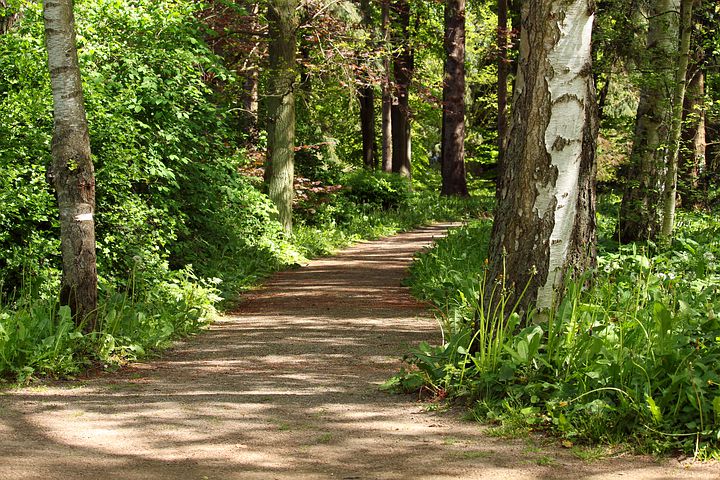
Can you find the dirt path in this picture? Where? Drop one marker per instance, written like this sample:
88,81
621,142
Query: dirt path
284,389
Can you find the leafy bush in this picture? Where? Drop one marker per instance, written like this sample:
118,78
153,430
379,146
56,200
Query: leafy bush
377,188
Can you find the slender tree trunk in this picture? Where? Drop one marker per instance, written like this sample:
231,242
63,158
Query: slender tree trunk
251,73
692,152
502,85
403,70
544,226
72,169
282,26
642,199
387,97
366,96
453,126
671,176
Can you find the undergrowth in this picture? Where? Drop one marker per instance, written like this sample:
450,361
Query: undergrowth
632,359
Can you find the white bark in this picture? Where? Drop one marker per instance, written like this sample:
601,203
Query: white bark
564,134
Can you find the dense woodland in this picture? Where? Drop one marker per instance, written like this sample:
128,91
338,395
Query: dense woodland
160,157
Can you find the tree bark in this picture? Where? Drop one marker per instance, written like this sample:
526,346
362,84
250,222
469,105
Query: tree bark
453,119
642,198
280,165
544,227
366,97
72,169
387,96
671,177
403,71
694,143
503,73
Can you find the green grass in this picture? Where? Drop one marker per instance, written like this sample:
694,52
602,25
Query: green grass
630,360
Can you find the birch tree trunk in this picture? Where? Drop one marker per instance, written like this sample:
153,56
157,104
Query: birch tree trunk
453,119
642,198
671,176
387,97
544,226
72,169
280,164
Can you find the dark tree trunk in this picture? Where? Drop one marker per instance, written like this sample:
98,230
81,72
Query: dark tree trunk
403,71
453,126
503,73
544,226
280,165
366,96
72,169
387,96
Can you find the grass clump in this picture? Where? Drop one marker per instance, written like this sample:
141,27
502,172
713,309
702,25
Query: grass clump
631,359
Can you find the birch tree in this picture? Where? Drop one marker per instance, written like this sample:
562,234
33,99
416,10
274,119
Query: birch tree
642,198
671,176
544,226
72,169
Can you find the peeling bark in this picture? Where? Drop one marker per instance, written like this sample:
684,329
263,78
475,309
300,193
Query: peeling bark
544,226
72,170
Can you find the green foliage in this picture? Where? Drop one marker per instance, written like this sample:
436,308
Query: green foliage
377,189
39,339
630,359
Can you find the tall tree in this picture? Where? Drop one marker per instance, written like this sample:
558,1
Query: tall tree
403,66
503,73
72,169
642,198
544,225
453,119
8,17
678,98
282,74
387,95
366,97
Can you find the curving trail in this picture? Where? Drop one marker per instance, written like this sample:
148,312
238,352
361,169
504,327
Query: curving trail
284,388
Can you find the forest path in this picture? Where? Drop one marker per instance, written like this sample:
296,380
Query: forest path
285,388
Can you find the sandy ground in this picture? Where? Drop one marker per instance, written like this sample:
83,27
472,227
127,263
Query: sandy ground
286,388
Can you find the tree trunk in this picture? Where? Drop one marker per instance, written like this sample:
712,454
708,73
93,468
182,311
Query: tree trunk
366,96
544,227
387,97
282,26
503,73
403,70
7,19
641,202
693,150
671,177
72,169
453,120
251,74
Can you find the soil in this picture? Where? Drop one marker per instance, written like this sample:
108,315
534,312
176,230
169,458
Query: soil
286,387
